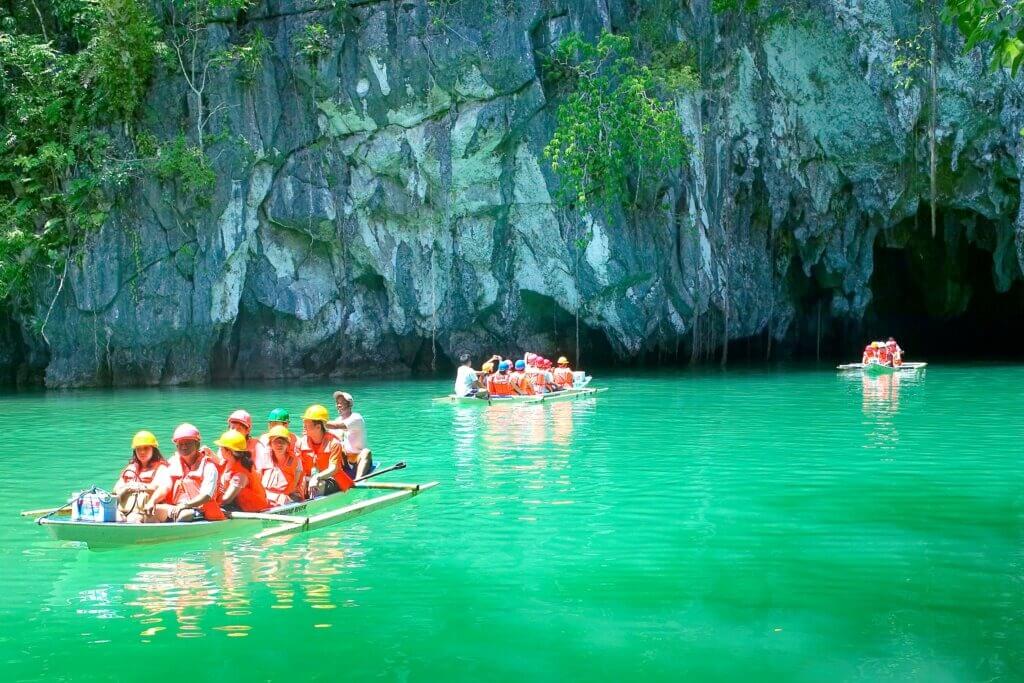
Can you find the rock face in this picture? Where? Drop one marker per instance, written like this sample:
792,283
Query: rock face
389,205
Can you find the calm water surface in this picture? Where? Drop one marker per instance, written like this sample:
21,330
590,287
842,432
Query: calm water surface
751,525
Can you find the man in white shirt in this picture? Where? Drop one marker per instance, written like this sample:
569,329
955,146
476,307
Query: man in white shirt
358,459
467,383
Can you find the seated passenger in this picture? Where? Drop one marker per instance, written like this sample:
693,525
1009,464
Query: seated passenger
282,472
500,383
895,351
188,488
241,421
563,374
520,380
321,454
137,480
467,380
240,481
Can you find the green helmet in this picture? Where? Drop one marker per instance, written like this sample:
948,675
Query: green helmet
278,415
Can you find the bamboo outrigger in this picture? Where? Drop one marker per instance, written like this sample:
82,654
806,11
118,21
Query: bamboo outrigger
564,395
878,368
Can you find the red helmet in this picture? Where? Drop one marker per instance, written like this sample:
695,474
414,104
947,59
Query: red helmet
241,416
186,432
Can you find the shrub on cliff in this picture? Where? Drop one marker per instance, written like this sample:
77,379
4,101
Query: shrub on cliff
617,125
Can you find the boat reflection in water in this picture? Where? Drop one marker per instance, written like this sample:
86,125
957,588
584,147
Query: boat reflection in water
881,398
199,593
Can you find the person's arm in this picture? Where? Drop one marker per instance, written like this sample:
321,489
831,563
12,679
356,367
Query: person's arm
338,424
236,483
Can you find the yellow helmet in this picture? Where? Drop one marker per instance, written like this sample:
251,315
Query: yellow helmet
232,440
488,367
144,438
317,413
875,345
562,360
278,432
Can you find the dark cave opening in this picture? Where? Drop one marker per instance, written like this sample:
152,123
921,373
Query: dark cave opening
939,299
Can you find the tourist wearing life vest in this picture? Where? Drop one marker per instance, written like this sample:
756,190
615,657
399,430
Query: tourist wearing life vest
240,481
895,351
282,473
486,370
350,426
321,451
188,488
241,421
549,376
870,352
278,417
521,382
138,479
500,383
563,374
533,374
884,356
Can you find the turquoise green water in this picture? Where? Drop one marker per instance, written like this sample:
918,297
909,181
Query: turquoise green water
753,525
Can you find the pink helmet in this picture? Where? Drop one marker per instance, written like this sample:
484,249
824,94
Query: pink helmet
186,432
530,357
241,416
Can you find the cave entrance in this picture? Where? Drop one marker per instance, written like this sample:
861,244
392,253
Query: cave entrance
939,299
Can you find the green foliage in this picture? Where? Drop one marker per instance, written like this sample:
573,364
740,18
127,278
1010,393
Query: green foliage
186,163
314,43
617,124
121,57
721,6
69,71
248,56
911,59
998,24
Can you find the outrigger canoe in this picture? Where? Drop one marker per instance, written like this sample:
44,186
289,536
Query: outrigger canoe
877,368
286,519
565,395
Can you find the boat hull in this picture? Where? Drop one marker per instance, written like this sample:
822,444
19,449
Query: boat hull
105,535
859,367
567,395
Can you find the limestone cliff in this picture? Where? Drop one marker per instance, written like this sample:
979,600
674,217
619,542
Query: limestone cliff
390,204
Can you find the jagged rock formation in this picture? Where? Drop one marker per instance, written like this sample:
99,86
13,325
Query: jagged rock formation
390,204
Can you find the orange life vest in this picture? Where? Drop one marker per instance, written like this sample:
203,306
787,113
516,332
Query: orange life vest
564,378
316,455
500,384
186,485
523,382
252,497
281,479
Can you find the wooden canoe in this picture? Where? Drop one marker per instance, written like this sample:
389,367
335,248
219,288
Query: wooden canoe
120,534
566,395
